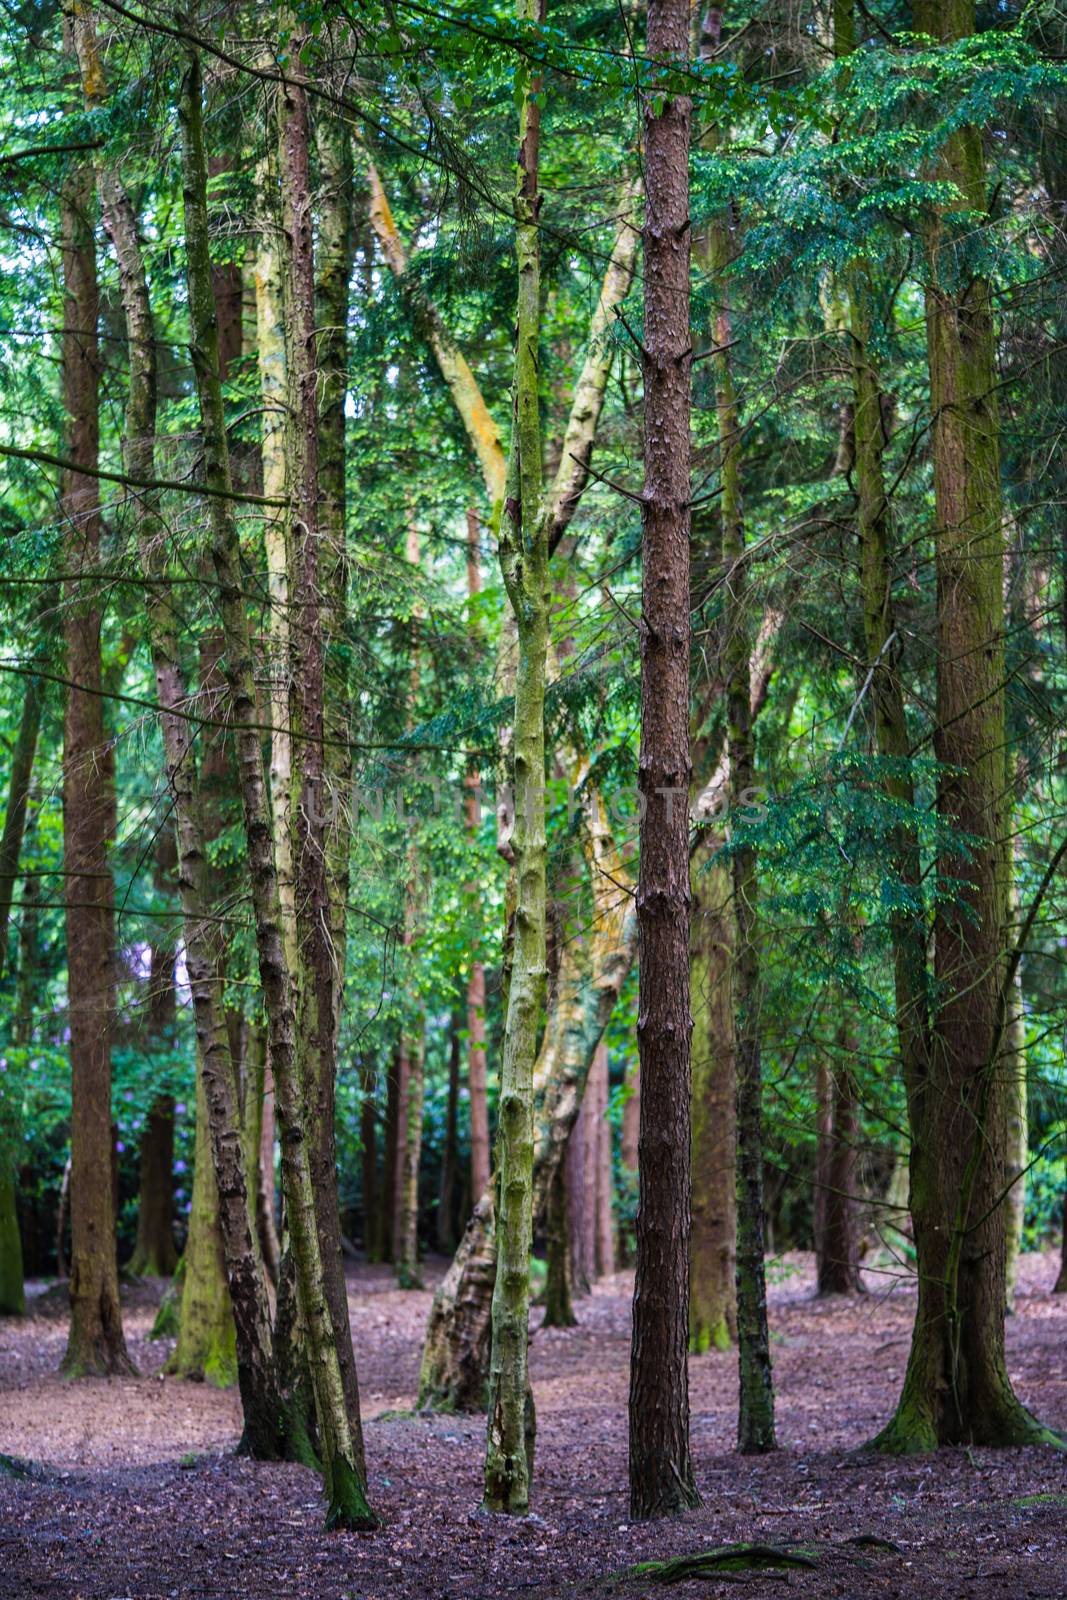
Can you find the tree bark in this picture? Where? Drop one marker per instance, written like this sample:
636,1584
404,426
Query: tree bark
18,793
342,1445
956,1388
523,544
96,1343
154,1253
446,1202
713,1287
837,1241
605,1217
661,1473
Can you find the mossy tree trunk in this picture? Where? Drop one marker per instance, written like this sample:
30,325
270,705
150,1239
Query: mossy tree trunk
661,1474
712,1286
310,1180
206,1349
457,1336
523,544
343,1463
217,1087
956,1389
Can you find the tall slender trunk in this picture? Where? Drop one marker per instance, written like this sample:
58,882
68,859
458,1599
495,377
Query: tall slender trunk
453,1371
342,1444
713,1286
368,1131
96,1343
605,1212
661,1473
524,565
154,1253
446,1201
837,1239
18,793
1017,1131
476,1068
412,1053
223,1189
956,1388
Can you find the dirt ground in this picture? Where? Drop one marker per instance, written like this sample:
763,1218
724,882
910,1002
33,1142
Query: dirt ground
135,1494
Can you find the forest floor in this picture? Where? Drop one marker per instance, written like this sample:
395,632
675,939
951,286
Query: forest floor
136,1494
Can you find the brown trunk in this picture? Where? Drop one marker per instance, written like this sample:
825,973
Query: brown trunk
446,1204
837,1247
579,1236
154,1254
368,1130
389,1162
661,1473
604,1244
957,1389
559,1297
400,1144
713,1289
824,1133
631,1118
589,1135
96,1343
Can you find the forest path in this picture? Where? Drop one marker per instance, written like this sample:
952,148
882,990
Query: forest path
139,1497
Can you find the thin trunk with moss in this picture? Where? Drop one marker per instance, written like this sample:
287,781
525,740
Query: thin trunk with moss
524,564
712,1276
342,1445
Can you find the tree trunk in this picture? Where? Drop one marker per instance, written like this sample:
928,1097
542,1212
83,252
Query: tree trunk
392,1132
342,1445
229,1204
755,1425
956,1389
1017,1132
207,1337
661,1473
313,586
154,1253
476,1071
523,548
601,1167
96,1344
446,1203
713,1287
18,793
1060,1286
372,1204
837,1244
559,1298
12,1292
578,1229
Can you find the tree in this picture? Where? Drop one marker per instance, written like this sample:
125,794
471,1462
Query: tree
661,1474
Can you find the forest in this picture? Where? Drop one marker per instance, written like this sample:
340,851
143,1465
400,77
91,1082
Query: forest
533,799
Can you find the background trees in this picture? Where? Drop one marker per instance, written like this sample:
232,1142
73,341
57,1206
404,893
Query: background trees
260,351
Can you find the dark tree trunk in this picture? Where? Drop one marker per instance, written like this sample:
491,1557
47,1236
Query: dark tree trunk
559,1299
18,794
154,1254
661,1474
713,1289
580,1240
604,1241
837,1240
96,1343
1060,1286
389,1157
446,1204
372,1205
